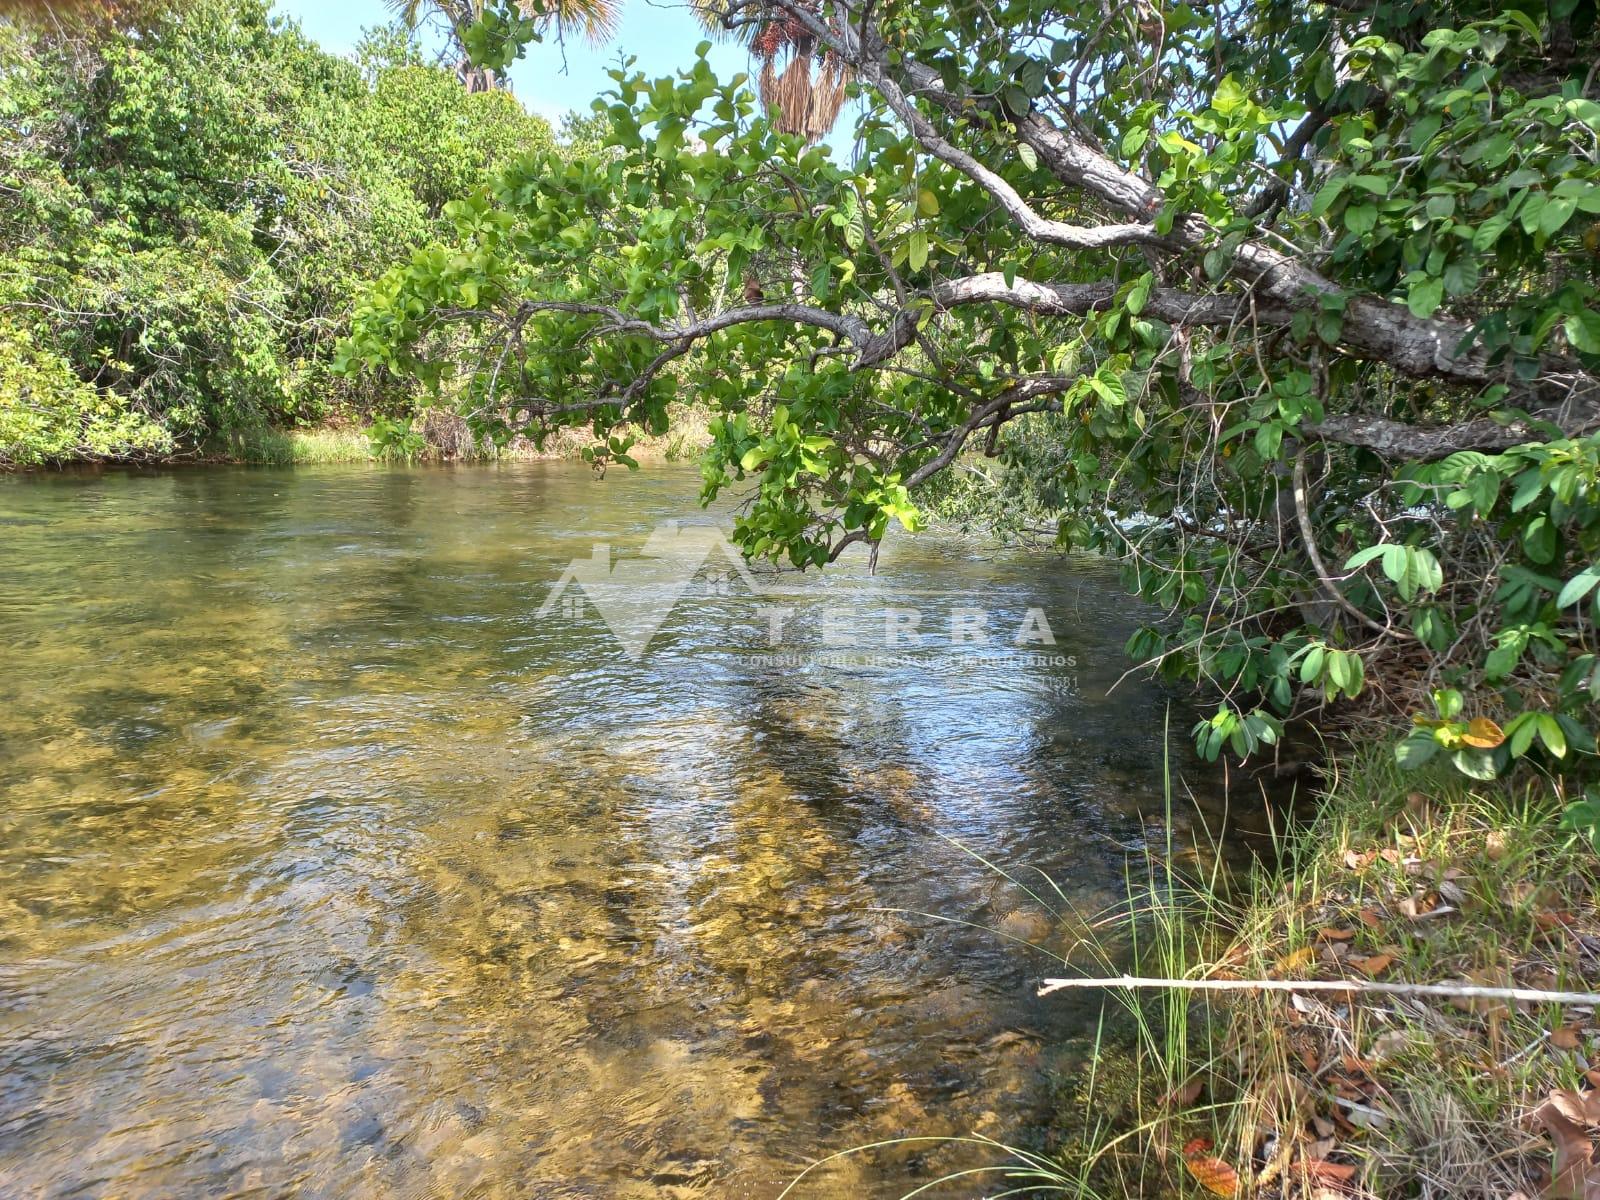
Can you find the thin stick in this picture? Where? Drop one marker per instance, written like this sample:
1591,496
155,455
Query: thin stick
1534,995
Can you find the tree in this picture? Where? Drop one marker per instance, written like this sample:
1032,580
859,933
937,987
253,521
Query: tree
1291,308
806,94
190,194
595,19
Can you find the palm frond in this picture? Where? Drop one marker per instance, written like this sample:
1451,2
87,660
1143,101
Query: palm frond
596,20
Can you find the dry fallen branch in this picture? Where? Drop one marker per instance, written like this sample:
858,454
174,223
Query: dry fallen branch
1530,995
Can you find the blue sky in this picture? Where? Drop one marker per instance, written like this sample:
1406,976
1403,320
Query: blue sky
661,35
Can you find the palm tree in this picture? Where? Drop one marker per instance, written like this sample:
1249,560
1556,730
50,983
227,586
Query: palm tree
808,92
809,89
805,85
594,19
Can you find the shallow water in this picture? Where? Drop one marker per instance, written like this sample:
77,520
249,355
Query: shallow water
330,867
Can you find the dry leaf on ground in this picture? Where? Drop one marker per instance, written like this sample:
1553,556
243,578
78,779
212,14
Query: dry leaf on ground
1210,1172
1324,1171
1294,961
1568,1117
1420,908
1374,966
1565,1037
1184,1094
1281,1101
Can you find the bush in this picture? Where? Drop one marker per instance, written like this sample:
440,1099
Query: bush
193,198
48,415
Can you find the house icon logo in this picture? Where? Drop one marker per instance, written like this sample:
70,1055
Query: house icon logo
634,596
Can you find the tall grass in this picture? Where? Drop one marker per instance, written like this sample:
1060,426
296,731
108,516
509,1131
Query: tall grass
1404,877
295,447
446,438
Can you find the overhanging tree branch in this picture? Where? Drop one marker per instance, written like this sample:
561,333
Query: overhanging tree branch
1371,327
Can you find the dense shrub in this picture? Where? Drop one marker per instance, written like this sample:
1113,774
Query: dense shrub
189,200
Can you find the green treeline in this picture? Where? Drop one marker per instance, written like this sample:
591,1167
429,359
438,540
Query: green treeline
188,209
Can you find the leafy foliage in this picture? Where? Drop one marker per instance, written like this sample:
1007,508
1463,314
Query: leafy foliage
1293,311
189,197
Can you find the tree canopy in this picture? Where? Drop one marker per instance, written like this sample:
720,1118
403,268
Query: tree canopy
1291,308
191,194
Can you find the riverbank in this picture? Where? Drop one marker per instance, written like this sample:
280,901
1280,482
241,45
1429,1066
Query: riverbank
1396,878
443,436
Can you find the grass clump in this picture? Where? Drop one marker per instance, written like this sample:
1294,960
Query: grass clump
441,435
1398,878
296,447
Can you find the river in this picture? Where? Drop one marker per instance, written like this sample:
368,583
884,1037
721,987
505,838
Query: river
342,859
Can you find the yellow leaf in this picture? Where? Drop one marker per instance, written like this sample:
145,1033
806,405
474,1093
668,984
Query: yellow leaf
1374,966
1216,1176
1295,960
1483,734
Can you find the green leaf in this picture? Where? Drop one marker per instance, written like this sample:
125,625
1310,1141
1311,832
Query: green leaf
1416,751
1339,669
1423,131
1397,566
1579,586
1028,157
1461,276
918,250
1475,764
1362,557
1555,214
1585,110
1269,437
1489,232
1361,219
855,231
1140,293
1325,197
1108,386
1424,295
1583,331
1539,540
1501,661
1551,734
1520,733
1229,97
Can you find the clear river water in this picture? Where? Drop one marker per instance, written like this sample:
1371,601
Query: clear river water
342,857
